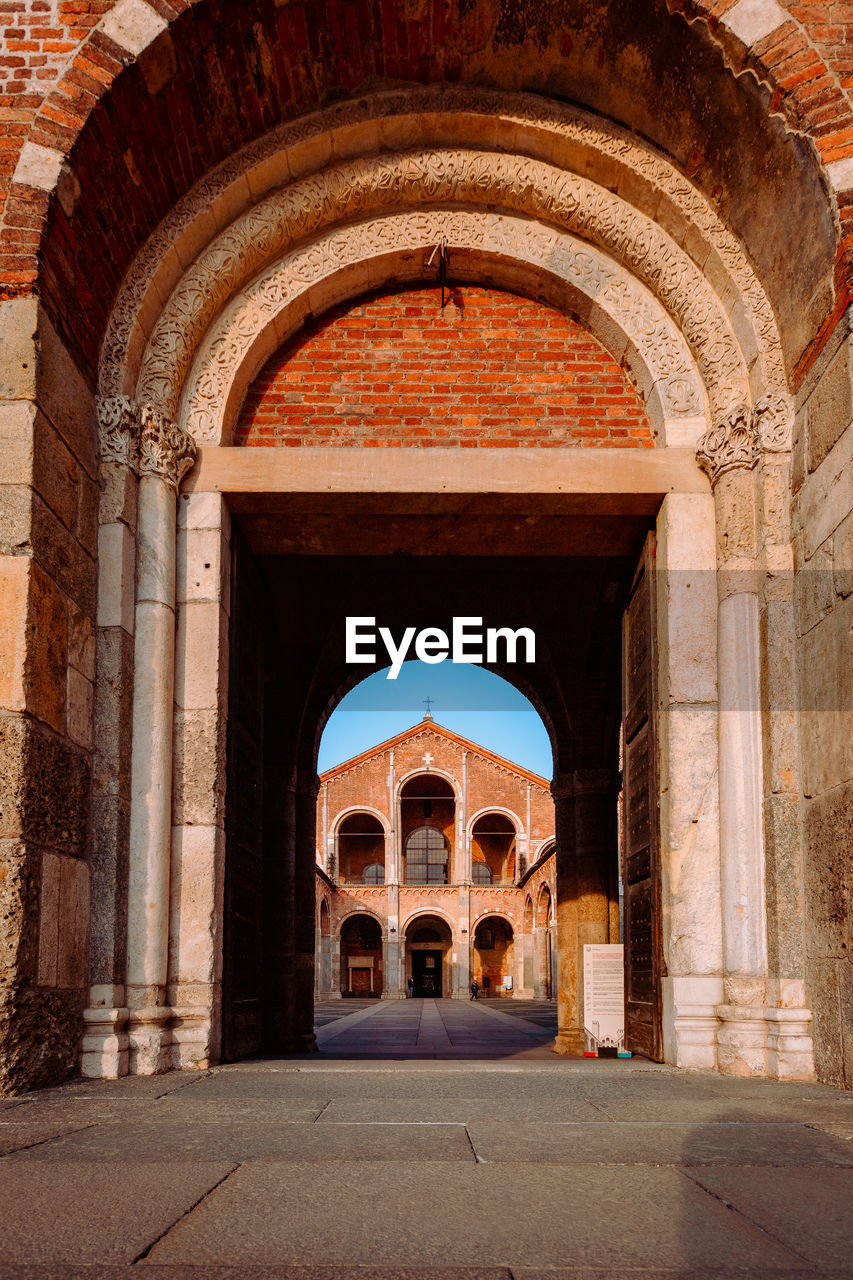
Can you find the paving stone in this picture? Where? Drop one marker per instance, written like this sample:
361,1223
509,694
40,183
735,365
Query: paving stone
658,1144
458,1110
423,1215
16,1137
236,1142
114,1213
191,1272
810,1211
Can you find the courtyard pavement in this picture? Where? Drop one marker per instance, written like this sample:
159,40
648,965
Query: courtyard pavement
428,1138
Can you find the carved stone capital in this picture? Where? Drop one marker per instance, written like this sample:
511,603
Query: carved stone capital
733,443
165,450
774,422
118,430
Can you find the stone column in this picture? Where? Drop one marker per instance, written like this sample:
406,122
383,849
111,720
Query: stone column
198,787
569,1039
686,608
541,963
393,987
729,453
165,455
105,1042
586,843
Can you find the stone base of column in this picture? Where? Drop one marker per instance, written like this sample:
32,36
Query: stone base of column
105,1043
790,1050
569,1043
191,1039
150,1040
741,1040
690,1021
393,995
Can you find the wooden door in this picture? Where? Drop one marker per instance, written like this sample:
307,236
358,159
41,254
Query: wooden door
640,821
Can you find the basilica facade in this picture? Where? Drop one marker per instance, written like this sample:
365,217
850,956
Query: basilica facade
435,868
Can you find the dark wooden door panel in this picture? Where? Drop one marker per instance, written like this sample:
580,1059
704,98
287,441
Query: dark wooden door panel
640,826
242,972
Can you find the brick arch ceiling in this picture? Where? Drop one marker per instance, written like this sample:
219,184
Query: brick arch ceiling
743,117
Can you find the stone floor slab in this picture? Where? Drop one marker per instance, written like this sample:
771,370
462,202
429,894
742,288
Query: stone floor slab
113,1214
433,1215
458,1110
658,1144
236,1142
810,1211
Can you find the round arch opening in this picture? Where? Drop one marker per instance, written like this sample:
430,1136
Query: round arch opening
429,957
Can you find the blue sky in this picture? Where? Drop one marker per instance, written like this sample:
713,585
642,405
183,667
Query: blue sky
467,699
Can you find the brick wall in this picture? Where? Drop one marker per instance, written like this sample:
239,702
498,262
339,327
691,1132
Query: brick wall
491,369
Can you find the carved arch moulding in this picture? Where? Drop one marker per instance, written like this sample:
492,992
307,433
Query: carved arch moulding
281,212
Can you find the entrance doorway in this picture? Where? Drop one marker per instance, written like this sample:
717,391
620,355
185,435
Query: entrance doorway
426,974
289,671
429,960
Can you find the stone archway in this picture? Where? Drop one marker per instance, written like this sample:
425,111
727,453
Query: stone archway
428,956
174,375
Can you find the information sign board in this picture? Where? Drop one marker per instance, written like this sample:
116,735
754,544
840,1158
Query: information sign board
604,1000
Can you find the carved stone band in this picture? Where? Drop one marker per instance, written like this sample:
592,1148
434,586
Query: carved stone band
733,443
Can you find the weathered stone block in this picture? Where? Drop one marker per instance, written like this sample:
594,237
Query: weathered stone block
44,787
81,641
110,842
17,433
19,889
830,408
55,473
16,518
117,560
87,514
199,769
118,495
784,886
199,565
828,837
18,354
822,977
826,496
65,397
842,557
62,557
41,1032
33,642
201,668
78,710
826,701
113,710
779,696
198,855
813,589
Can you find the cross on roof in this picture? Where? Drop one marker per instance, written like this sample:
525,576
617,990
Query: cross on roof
428,703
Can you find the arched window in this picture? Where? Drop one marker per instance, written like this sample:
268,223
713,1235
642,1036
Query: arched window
374,874
426,857
481,873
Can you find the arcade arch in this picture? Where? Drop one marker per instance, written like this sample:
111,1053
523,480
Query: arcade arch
429,956
362,968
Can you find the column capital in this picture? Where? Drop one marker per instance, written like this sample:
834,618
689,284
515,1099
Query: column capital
734,443
118,430
165,449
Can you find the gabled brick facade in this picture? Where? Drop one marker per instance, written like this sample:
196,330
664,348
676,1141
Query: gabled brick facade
474,908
